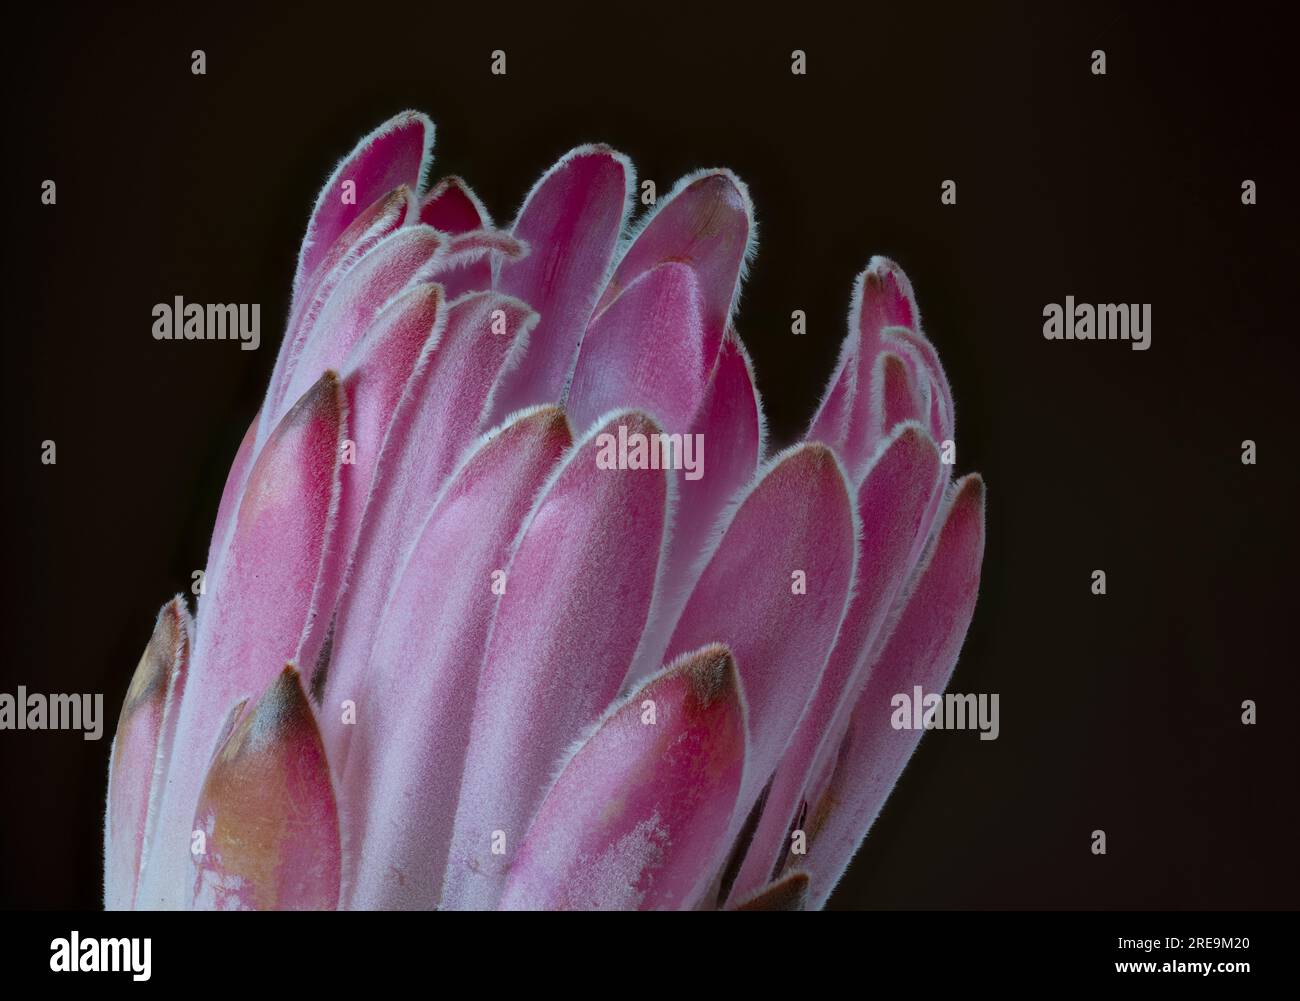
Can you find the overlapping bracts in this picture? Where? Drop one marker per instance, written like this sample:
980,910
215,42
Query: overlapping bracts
446,658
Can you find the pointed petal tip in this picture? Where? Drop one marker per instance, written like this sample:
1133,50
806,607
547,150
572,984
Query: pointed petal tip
712,673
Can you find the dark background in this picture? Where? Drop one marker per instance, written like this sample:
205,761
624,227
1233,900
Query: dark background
1119,712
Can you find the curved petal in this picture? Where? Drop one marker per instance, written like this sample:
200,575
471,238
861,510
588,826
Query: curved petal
572,220
893,501
645,352
141,748
403,775
921,650
376,377
267,812
882,297
775,591
395,154
259,607
578,592
398,260
730,429
437,419
634,819
706,222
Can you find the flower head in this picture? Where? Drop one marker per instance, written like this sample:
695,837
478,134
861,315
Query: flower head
507,606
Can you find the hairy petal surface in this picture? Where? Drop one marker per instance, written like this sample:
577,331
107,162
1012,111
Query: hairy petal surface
405,763
921,650
437,419
141,749
645,351
267,812
893,500
259,607
634,819
572,220
395,154
578,592
706,222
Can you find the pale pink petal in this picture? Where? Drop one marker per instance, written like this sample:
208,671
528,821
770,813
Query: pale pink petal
707,222
921,650
635,817
795,531
436,420
572,220
366,231
403,774
258,607
375,377
395,154
141,748
267,812
645,351
231,495
578,592
894,499
397,261
730,440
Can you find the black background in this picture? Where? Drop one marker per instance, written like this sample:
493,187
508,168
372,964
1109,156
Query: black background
1119,712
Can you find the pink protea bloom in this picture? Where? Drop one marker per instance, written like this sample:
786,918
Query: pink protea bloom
426,666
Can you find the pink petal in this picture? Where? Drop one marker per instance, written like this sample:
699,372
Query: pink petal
366,231
914,347
578,591
799,516
730,423
645,351
882,297
634,819
470,258
451,206
921,650
707,222
571,220
231,495
376,376
403,774
893,398
267,812
831,422
894,499
396,262
395,154
437,419
141,747
258,608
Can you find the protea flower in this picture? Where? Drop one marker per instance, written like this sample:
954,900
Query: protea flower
446,657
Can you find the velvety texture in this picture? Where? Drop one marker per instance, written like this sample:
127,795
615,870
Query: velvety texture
472,636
